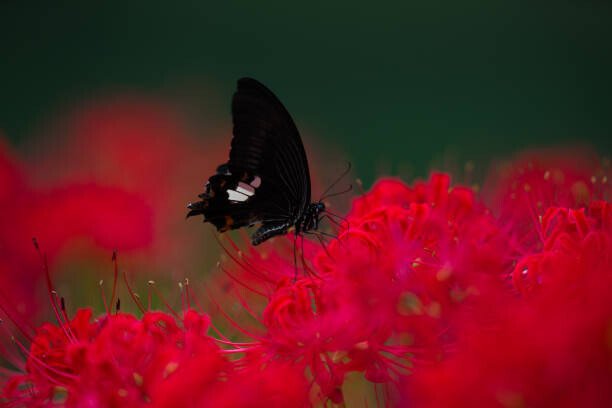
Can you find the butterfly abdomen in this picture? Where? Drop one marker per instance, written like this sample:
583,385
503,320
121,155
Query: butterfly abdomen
267,231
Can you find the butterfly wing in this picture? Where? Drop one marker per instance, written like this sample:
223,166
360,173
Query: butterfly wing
266,178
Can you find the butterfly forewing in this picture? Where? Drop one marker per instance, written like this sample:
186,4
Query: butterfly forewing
266,179
267,140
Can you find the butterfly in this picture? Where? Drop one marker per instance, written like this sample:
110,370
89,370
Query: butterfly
266,180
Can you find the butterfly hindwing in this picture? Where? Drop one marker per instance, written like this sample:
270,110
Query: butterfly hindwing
225,202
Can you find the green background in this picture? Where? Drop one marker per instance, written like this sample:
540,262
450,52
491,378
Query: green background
391,84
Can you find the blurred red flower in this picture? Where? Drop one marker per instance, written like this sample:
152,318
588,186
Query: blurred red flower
550,349
143,146
521,191
108,216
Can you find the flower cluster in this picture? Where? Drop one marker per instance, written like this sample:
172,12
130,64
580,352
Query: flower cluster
432,294
551,345
160,359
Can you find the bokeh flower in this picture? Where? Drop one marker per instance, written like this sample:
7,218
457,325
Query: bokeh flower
143,146
106,216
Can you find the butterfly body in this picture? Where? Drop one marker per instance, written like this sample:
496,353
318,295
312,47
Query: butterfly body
266,180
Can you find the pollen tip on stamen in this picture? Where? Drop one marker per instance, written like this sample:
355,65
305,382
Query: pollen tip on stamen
434,309
101,282
180,285
170,368
359,184
151,282
444,273
186,281
60,389
138,379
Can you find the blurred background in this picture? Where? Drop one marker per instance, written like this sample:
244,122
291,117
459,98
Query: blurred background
113,115
398,85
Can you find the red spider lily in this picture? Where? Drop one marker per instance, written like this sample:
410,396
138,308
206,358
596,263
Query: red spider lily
551,346
522,191
550,349
383,294
114,360
161,360
428,251
117,360
425,293
565,233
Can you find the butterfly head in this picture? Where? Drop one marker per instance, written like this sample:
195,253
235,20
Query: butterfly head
319,207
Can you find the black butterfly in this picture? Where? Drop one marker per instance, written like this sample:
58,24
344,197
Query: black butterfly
266,179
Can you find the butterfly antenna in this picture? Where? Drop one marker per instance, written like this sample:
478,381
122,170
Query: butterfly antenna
344,173
350,188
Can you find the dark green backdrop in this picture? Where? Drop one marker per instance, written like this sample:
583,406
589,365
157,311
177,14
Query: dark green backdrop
386,83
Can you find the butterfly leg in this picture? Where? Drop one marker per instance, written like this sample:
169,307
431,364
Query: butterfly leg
307,270
320,235
333,221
